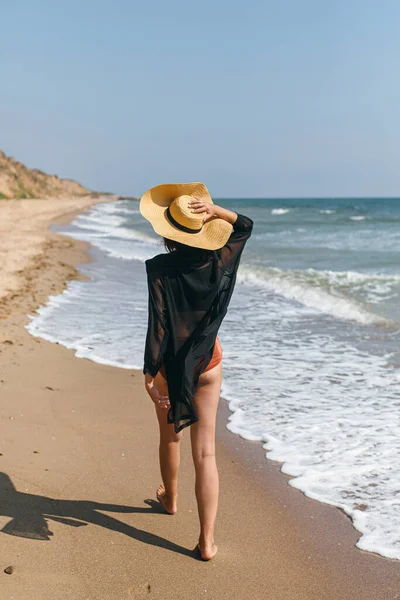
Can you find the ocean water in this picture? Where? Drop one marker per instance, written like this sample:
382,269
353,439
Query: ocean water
316,378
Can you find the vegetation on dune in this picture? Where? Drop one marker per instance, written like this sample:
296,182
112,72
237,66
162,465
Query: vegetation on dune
17,181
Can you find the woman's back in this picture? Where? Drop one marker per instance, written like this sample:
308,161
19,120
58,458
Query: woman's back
189,293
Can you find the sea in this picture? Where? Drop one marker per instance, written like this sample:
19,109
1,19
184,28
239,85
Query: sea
311,341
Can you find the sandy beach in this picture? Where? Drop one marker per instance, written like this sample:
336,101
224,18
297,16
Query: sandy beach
79,470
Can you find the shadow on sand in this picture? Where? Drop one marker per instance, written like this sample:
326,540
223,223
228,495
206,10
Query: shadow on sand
30,514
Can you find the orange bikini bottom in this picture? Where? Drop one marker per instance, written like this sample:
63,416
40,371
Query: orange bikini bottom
215,359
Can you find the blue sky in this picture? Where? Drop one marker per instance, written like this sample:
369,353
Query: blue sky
255,99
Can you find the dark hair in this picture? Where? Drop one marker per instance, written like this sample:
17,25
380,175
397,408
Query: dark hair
173,246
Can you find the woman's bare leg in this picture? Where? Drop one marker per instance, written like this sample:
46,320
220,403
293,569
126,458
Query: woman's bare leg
202,435
169,454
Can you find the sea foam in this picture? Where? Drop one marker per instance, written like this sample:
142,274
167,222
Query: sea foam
324,291
280,211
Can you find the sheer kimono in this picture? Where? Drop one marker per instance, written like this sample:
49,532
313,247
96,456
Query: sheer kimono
189,294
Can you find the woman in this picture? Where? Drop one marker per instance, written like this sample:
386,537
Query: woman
189,291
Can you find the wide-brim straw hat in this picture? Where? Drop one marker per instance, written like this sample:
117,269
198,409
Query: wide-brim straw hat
166,207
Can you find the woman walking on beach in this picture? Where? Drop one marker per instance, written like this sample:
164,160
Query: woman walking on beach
189,287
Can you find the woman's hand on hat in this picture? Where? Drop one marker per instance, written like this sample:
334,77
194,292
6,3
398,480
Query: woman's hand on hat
201,206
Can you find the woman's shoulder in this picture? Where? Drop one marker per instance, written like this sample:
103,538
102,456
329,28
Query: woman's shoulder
158,263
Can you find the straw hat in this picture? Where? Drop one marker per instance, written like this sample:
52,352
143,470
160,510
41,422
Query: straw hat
166,207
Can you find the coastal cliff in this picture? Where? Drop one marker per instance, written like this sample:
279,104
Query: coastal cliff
17,181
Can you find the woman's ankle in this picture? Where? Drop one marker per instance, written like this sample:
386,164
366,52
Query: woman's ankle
170,495
206,538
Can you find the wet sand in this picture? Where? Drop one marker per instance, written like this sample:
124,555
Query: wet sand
79,470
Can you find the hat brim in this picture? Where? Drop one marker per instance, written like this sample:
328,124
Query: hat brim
153,204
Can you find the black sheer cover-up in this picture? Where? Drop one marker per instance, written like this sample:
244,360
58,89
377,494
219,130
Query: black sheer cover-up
189,294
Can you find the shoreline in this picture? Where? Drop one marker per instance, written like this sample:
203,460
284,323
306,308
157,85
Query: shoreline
29,246
303,548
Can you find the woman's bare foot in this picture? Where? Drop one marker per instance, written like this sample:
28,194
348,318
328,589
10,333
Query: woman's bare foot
208,552
168,504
